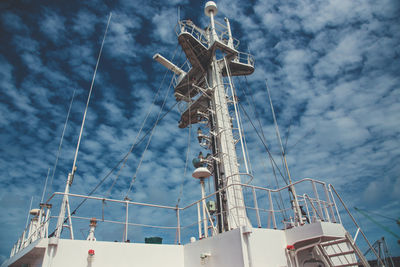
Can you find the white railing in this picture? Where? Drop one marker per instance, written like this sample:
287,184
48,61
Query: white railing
244,58
187,26
266,208
37,228
359,230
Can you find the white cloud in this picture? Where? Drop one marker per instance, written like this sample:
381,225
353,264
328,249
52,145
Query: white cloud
52,25
164,22
13,22
331,66
85,23
121,42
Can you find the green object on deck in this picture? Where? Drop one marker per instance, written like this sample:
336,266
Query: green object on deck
153,240
211,207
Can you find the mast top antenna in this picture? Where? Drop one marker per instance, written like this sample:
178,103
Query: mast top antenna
211,6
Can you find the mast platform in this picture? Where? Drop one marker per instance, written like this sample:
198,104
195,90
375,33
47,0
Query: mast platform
192,114
194,43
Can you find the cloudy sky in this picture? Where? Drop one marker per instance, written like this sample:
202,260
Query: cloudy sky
332,67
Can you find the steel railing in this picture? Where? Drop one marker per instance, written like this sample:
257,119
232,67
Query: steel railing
263,208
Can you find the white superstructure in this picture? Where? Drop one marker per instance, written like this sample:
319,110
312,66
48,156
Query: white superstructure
237,225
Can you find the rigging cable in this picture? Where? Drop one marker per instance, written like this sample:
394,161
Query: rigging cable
141,129
65,201
287,136
265,145
262,132
177,238
148,141
263,140
278,135
187,152
119,162
125,156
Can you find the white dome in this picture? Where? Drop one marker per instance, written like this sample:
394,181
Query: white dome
210,6
201,172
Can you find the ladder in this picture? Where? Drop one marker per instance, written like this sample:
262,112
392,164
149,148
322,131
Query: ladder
342,252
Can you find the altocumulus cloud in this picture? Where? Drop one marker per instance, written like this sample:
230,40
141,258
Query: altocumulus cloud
332,67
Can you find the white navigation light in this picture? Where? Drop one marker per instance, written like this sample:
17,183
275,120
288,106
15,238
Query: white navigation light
211,6
201,173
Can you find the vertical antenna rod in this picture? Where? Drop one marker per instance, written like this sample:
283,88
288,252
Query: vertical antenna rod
297,210
70,179
45,185
61,140
29,212
90,93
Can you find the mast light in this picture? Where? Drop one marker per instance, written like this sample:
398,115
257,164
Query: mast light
211,6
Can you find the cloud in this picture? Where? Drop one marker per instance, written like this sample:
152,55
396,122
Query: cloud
163,21
332,68
13,22
85,23
52,25
121,38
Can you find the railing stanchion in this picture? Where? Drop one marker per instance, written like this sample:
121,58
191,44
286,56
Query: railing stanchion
356,224
125,238
329,203
179,225
271,206
318,200
334,202
256,207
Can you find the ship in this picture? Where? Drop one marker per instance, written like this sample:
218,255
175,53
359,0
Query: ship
238,224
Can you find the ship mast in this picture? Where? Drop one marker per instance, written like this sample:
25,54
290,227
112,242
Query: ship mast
225,142
212,55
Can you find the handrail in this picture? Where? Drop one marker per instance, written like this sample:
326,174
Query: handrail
354,221
23,242
129,223
262,203
193,203
201,35
114,200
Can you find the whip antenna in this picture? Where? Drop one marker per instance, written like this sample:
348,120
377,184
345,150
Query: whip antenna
70,179
296,206
90,93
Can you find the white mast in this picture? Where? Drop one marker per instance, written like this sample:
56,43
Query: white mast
212,56
235,202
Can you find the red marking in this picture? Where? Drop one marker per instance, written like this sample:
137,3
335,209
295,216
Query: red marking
91,252
290,247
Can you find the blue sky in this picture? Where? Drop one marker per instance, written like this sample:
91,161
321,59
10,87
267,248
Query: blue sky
332,66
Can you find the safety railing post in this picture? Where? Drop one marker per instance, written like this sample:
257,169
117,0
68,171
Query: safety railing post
318,200
272,211
125,237
356,224
256,207
334,203
329,203
178,225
